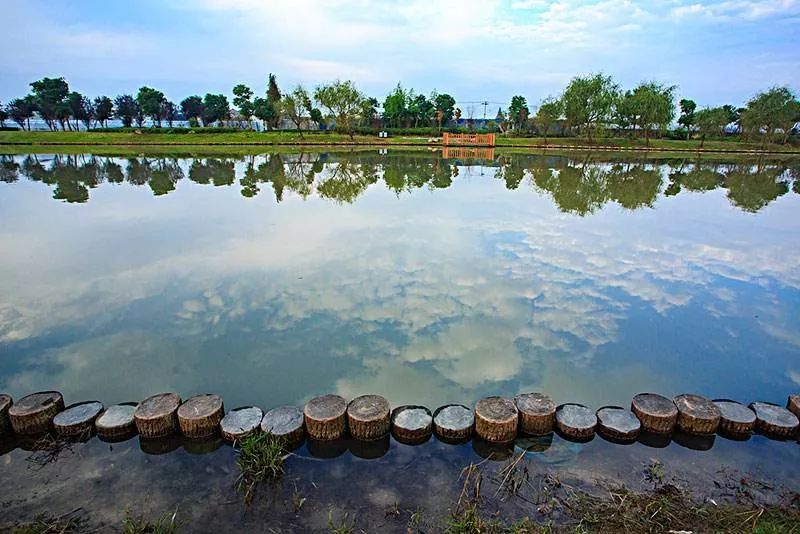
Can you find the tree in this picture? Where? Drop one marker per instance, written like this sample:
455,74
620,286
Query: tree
264,111
192,108
648,106
518,112
215,108
711,121
421,110
169,111
774,109
687,119
296,106
549,112
316,116
126,109
242,96
369,110
150,102
274,97
103,109
21,110
50,94
395,106
588,101
81,109
343,101
444,105
3,116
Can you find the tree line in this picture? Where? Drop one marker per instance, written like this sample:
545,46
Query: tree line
592,105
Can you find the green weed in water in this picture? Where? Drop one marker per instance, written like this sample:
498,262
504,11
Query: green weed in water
260,459
165,524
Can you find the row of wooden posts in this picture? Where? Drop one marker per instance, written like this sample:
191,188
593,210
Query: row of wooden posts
369,417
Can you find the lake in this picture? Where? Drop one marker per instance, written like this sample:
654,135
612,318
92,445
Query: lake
272,278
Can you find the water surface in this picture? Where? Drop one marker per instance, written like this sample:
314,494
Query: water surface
271,278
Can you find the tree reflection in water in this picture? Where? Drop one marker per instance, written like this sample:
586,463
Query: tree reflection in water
577,185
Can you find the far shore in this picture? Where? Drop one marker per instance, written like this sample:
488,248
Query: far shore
328,139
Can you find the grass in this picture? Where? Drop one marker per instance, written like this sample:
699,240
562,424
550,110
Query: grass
260,459
253,138
166,524
68,523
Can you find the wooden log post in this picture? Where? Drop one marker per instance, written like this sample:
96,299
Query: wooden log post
411,424
34,413
496,419
774,421
325,417
116,423
240,423
77,421
657,413
793,404
735,419
537,413
157,416
286,423
368,417
453,422
618,424
199,417
576,421
697,415
5,423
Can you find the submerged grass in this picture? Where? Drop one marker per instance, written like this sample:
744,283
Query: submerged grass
166,524
68,523
260,459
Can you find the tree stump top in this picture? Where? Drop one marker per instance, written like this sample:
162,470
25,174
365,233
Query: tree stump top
535,404
775,416
325,407
282,420
618,420
241,421
368,408
78,414
696,406
412,418
735,412
35,403
200,406
655,405
5,402
496,409
454,417
576,416
157,406
117,416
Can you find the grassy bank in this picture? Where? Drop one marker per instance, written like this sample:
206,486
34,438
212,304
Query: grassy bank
260,139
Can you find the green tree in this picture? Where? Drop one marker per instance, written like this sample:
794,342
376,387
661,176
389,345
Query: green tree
296,106
422,110
215,108
274,97
711,121
518,112
649,106
169,112
343,101
103,109
81,109
242,100
192,108
3,116
547,115
50,95
126,109
150,103
21,110
395,106
589,101
369,111
445,107
774,109
687,119
264,111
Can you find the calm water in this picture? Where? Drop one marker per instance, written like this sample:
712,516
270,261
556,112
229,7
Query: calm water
269,279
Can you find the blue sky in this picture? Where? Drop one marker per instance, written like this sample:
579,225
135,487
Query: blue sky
715,52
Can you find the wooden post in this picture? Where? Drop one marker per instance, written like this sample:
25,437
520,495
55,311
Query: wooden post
157,416
285,422
537,413
453,422
116,423
368,417
657,413
240,423
325,417
618,424
735,418
697,415
496,419
576,421
77,421
5,403
34,413
411,424
199,417
774,421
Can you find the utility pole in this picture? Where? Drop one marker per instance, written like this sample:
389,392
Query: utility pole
485,103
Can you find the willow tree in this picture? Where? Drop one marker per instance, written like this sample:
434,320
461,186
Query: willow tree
344,103
589,101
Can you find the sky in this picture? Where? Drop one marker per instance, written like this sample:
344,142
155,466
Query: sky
717,52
